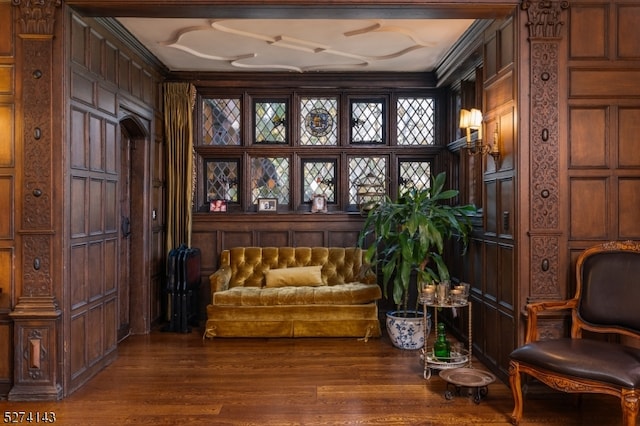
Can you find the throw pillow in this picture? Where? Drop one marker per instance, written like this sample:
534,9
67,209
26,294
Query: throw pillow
297,277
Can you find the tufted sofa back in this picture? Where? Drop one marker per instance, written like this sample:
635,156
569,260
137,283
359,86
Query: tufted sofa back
339,264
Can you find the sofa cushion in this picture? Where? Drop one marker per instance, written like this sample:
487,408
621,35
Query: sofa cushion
295,277
341,294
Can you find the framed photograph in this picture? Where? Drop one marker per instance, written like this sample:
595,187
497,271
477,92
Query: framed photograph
218,205
267,205
319,203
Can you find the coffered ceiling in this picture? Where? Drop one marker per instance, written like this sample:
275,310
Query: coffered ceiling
297,45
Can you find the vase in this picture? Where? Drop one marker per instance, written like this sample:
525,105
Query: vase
406,329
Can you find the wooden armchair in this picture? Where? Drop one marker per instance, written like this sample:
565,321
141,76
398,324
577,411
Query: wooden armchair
607,300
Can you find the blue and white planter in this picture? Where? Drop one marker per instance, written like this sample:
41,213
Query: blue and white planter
407,332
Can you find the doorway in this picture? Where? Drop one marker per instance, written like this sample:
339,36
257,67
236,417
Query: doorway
133,281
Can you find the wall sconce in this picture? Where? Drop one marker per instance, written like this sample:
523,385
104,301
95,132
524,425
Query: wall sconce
472,120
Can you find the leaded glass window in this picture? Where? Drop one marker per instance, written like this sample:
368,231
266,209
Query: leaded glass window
416,121
318,121
270,179
221,180
414,174
367,121
221,121
319,177
270,122
366,170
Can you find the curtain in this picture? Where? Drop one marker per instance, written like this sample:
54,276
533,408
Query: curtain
178,125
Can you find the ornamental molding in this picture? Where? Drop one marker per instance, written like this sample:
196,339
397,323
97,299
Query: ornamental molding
544,17
36,16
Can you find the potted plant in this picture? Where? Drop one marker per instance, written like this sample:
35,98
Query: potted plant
409,236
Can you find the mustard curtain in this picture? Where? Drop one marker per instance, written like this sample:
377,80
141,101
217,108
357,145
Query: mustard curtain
178,125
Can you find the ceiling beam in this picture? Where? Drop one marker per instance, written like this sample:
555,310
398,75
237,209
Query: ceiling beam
289,9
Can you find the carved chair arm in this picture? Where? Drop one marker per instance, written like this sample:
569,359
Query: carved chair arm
533,309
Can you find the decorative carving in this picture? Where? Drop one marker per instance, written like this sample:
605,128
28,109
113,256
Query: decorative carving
35,354
36,251
544,151
544,278
37,16
544,17
621,245
37,134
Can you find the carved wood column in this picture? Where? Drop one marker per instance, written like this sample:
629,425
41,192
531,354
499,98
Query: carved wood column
544,22
37,316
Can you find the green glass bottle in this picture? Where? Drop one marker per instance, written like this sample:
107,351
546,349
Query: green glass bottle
441,347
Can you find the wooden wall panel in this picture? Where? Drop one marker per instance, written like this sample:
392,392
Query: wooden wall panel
342,239
309,238
96,151
272,239
6,275
95,321
7,128
7,87
95,282
628,34
491,290
628,134
604,121
78,197
95,52
506,282
490,207
110,63
587,32
589,203
506,213
110,265
6,370
78,276
603,83
231,239
78,41
588,137
629,208
77,138
507,332
77,351
81,88
96,206
6,213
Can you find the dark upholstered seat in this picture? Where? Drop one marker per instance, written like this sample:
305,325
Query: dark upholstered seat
606,301
589,359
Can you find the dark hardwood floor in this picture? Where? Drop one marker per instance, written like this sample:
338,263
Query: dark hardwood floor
168,378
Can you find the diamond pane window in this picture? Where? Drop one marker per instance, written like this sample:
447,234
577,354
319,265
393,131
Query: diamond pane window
270,122
365,170
221,180
414,174
367,122
318,121
416,121
221,121
319,177
270,179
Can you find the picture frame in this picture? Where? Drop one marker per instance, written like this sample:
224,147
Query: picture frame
267,205
217,205
319,203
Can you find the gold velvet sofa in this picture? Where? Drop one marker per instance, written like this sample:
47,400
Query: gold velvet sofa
293,292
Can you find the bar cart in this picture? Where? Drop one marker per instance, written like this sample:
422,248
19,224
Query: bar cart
459,357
